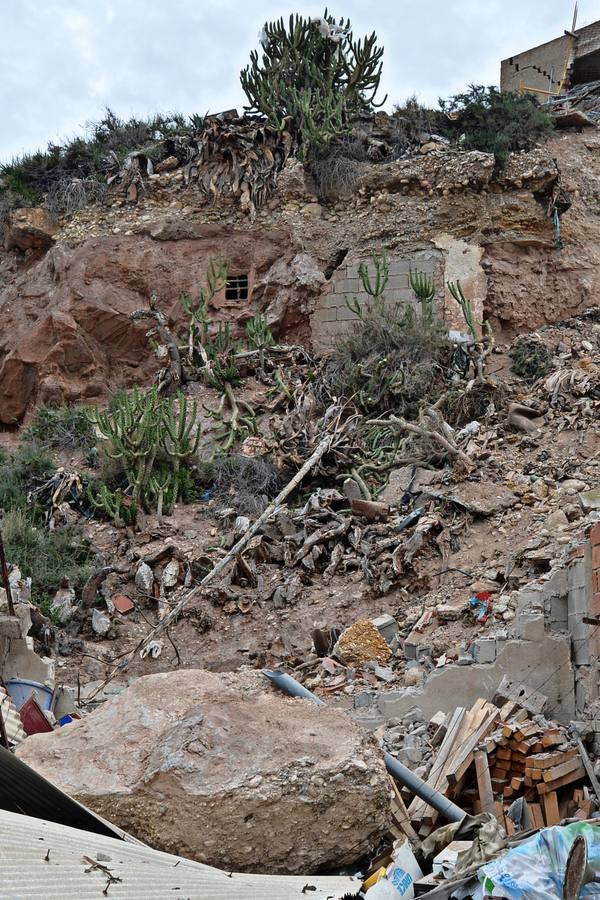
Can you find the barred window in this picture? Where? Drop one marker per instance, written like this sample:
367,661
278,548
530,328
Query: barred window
236,287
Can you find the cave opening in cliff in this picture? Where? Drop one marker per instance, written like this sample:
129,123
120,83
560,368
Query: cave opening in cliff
236,287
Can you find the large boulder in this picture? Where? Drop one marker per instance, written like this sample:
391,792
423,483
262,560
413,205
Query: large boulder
225,770
29,229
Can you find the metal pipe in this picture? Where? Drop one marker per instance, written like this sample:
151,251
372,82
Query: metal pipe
404,776
292,687
445,807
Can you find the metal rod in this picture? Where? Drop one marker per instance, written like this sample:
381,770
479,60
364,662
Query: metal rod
404,776
5,578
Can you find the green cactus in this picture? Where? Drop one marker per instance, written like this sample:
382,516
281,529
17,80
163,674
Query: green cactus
259,334
162,486
178,439
457,292
216,279
117,506
423,287
382,273
138,428
132,428
312,78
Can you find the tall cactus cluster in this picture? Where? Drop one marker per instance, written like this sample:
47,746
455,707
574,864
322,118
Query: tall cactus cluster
311,78
143,431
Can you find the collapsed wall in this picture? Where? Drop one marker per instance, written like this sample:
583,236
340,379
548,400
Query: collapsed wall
66,308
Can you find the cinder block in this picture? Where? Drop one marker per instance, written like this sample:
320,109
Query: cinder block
398,281
530,627
344,314
484,650
387,627
325,314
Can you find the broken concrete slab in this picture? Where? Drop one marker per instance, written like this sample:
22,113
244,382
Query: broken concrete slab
224,769
523,694
546,662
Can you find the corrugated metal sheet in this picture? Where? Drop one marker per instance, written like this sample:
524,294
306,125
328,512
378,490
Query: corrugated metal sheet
40,859
23,790
11,718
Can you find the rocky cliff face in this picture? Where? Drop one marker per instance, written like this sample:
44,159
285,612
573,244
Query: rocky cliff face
67,331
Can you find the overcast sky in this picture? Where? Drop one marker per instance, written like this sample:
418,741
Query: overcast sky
63,61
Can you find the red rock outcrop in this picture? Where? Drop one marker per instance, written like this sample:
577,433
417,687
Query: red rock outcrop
67,334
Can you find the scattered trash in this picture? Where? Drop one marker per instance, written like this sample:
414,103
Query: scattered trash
100,622
481,605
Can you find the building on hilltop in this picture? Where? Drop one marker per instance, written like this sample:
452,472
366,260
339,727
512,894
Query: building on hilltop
554,67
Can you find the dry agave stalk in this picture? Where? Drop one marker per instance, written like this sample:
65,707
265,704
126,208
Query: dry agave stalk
240,158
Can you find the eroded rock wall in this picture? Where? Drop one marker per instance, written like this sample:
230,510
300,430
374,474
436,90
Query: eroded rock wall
67,334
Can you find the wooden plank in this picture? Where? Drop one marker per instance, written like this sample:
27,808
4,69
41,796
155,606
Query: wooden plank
459,764
508,709
484,782
563,769
516,783
418,808
400,815
553,738
551,813
555,758
585,808
546,787
536,814
587,765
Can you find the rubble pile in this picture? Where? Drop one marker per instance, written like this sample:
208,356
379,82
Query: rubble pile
489,757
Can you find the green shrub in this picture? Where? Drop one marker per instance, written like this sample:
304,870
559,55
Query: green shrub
74,171
59,428
394,357
18,474
46,556
494,121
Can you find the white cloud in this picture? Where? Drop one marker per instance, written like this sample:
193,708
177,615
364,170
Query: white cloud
63,61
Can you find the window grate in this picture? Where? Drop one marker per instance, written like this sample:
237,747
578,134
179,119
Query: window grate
236,287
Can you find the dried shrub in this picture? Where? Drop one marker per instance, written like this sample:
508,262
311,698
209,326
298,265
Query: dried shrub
531,358
69,195
412,122
246,483
459,407
337,173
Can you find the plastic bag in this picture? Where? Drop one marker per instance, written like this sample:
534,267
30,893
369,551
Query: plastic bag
536,869
398,882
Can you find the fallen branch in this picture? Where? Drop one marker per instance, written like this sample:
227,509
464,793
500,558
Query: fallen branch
173,378
310,463
429,428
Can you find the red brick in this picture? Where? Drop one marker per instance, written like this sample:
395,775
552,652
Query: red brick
596,581
595,534
577,552
597,604
596,556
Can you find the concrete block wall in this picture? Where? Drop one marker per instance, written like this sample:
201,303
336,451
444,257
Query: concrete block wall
332,319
